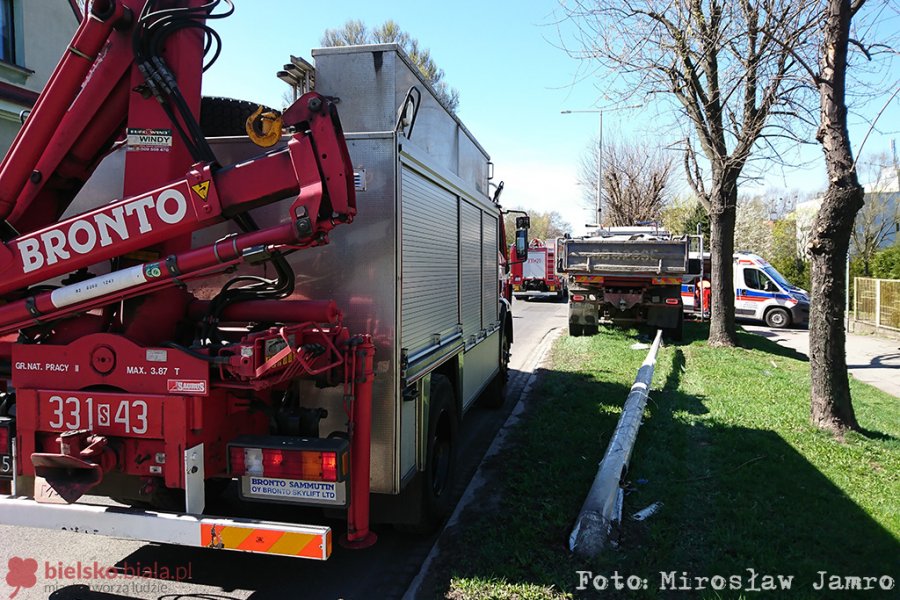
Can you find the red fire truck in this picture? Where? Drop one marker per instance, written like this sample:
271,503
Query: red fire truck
182,311
536,277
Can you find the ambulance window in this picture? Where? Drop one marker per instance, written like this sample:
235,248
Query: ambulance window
757,280
751,279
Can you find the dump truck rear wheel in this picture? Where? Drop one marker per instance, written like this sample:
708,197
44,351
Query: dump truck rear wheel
576,330
676,334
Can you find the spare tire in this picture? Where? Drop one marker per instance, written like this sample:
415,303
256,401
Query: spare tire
221,117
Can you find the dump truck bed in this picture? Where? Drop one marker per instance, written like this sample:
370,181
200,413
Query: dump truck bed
605,256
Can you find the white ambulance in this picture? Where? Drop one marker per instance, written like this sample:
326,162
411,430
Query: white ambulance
761,293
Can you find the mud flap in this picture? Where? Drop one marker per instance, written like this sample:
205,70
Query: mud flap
663,317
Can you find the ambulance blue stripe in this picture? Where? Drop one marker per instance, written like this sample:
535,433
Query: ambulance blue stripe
759,294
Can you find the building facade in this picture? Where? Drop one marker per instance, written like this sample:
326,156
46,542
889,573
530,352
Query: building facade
33,36
877,224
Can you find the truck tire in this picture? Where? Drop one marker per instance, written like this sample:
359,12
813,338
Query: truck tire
591,330
576,330
437,482
778,317
443,434
676,334
494,396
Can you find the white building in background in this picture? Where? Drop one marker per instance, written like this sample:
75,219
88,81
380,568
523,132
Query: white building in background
33,36
888,181
804,214
883,193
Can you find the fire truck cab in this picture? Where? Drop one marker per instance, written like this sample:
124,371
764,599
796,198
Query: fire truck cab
536,277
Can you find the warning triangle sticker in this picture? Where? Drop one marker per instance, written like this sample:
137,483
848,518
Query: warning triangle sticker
202,189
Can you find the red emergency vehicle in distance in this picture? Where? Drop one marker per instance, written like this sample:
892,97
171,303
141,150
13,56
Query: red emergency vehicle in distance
537,276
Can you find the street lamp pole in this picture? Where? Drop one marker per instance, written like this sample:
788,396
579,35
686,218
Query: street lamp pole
600,147
599,156
600,170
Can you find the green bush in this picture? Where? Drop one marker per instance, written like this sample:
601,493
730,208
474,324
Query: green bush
886,264
794,270
784,253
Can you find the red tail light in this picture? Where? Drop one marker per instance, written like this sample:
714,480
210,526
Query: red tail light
577,298
672,301
236,461
299,458
329,466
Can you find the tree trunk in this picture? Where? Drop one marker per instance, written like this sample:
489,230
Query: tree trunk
831,407
723,212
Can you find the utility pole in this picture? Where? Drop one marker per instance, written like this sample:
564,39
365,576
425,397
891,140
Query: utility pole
599,157
599,150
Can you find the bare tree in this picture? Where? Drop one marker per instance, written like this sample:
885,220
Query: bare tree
725,65
635,180
544,225
355,33
753,226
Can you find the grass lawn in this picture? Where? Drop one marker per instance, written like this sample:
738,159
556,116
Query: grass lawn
726,445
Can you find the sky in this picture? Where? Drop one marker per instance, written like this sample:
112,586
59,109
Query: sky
505,58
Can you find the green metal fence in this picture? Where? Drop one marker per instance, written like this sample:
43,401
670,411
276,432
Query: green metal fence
877,301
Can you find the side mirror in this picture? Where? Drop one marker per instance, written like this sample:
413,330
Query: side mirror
694,266
521,243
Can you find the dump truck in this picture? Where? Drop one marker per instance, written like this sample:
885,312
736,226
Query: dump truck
626,276
268,306
536,277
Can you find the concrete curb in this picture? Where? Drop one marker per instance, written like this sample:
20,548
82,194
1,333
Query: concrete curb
499,443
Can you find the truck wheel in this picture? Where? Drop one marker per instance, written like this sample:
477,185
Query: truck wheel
576,330
443,430
676,334
591,330
436,483
778,317
494,396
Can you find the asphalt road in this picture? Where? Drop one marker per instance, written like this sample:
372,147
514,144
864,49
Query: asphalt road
383,571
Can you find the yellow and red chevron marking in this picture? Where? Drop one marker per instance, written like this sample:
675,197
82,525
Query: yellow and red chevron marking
255,538
589,278
666,280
